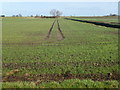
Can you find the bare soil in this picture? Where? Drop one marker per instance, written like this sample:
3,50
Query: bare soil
61,77
52,64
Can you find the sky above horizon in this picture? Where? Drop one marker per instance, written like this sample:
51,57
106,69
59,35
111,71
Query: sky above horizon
68,8
60,0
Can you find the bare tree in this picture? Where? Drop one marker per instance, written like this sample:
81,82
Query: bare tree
55,12
58,13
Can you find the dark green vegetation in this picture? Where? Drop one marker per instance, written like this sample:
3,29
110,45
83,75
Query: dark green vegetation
96,23
87,52
110,19
93,20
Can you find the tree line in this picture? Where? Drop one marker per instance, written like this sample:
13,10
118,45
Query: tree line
55,13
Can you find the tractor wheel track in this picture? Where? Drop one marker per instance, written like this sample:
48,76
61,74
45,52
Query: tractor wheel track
50,30
60,30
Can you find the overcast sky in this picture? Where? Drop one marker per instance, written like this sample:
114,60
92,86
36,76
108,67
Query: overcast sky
60,0
68,8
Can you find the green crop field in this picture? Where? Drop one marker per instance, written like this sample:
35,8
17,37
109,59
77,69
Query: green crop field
87,55
107,19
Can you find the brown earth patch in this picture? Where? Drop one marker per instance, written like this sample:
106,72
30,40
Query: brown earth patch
60,77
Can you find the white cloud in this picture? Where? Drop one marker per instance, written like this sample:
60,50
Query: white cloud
60,0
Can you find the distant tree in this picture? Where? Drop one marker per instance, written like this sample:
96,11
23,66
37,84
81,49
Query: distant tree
58,13
13,15
31,16
19,15
55,12
113,14
2,15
